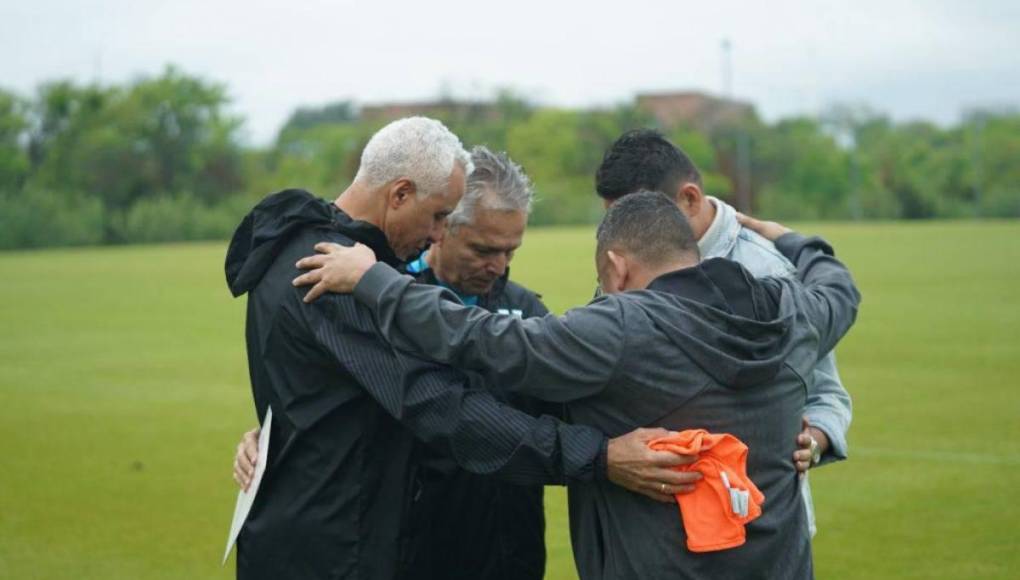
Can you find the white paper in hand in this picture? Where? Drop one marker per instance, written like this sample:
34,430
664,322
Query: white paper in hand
246,498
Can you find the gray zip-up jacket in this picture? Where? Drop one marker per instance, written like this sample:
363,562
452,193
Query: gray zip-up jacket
703,347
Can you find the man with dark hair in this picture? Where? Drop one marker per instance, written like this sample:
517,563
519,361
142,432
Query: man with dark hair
676,343
645,160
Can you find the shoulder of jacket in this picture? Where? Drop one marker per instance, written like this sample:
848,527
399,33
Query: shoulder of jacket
760,256
329,234
521,297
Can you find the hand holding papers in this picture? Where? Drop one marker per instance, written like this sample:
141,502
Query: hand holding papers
245,499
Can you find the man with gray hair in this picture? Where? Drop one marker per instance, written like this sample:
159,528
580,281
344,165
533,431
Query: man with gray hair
484,230
468,526
346,408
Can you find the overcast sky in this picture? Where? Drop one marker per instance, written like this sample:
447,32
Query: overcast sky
928,59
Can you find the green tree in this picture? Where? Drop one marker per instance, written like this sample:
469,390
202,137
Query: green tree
561,149
918,166
991,142
321,158
340,112
158,135
698,147
14,165
801,171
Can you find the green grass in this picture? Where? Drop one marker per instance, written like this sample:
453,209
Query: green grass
123,391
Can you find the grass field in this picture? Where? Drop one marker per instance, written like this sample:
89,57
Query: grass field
123,391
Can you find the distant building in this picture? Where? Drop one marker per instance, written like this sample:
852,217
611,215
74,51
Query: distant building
445,109
698,110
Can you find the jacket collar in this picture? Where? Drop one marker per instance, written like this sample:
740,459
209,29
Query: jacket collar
716,282
721,235
365,233
275,220
421,270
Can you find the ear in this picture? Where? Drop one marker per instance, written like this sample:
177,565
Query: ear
400,192
621,270
690,198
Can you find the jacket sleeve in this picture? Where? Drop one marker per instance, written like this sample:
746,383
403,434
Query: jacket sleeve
830,297
481,434
829,408
552,358
532,305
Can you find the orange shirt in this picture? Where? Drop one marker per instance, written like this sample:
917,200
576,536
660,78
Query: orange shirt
724,499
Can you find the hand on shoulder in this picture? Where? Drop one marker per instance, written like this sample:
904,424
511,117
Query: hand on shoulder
771,231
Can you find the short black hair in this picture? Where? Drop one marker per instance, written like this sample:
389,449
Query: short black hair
643,159
649,226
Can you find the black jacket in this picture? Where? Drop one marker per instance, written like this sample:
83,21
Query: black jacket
346,409
473,527
703,347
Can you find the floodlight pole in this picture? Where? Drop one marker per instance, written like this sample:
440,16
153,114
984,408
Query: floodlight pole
743,140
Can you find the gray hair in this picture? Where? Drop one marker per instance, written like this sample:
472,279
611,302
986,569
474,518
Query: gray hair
495,183
420,149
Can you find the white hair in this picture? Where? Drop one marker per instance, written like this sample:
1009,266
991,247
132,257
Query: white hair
495,183
420,149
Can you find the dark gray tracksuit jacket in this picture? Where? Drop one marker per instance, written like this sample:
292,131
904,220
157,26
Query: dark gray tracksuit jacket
703,347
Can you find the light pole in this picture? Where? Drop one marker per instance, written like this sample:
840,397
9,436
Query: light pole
743,141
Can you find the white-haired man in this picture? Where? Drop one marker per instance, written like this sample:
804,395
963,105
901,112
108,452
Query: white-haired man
347,407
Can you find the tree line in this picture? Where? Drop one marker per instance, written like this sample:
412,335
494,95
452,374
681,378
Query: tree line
161,159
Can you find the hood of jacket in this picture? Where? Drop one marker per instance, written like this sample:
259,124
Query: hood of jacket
723,319
271,224
721,236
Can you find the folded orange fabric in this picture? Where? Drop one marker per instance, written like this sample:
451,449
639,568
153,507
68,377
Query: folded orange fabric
724,499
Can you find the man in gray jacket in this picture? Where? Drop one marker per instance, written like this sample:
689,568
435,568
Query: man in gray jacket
676,343
645,159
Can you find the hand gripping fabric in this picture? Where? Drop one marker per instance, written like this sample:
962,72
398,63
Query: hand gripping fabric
724,499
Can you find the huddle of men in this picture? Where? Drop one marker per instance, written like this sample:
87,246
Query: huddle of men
416,423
